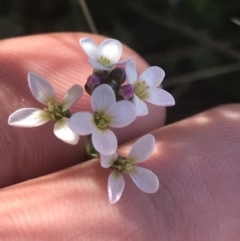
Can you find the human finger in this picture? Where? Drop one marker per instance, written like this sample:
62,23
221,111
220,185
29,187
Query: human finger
197,162
28,153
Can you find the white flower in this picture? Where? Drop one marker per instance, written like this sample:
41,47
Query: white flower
44,93
104,56
145,88
145,180
107,113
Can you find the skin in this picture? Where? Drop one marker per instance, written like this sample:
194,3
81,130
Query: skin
196,160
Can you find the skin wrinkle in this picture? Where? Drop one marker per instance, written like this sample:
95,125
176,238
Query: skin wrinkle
211,203
153,210
217,130
143,232
233,232
187,138
171,214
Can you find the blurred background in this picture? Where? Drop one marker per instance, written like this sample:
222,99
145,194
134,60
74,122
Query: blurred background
196,42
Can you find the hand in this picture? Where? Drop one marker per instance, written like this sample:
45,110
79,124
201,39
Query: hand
196,160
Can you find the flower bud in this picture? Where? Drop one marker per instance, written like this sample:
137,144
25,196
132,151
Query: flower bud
126,91
114,85
92,83
119,75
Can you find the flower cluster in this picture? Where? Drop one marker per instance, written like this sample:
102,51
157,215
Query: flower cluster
118,97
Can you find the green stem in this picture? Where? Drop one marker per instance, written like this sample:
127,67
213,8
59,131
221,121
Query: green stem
91,151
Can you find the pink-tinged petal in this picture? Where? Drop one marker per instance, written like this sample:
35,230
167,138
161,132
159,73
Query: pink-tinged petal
89,47
122,113
102,98
28,117
64,133
82,123
110,49
131,72
72,96
142,148
160,97
116,186
41,89
107,160
96,65
145,179
153,76
140,106
104,141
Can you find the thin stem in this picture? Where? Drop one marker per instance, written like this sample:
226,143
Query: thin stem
88,16
201,74
91,151
236,20
177,26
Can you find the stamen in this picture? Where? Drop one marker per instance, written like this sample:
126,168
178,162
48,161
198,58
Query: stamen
103,61
140,90
58,114
55,111
53,117
101,120
50,107
128,167
122,165
57,108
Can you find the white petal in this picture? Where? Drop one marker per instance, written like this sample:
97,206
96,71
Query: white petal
160,97
41,89
153,76
72,96
96,65
110,49
145,180
116,185
105,142
122,113
142,148
28,117
82,123
107,160
89,47
64,133
102,98
124,61
140,106
131,72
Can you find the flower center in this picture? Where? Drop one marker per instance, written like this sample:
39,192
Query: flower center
122,165
101,120
103,61
140,90
55,111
